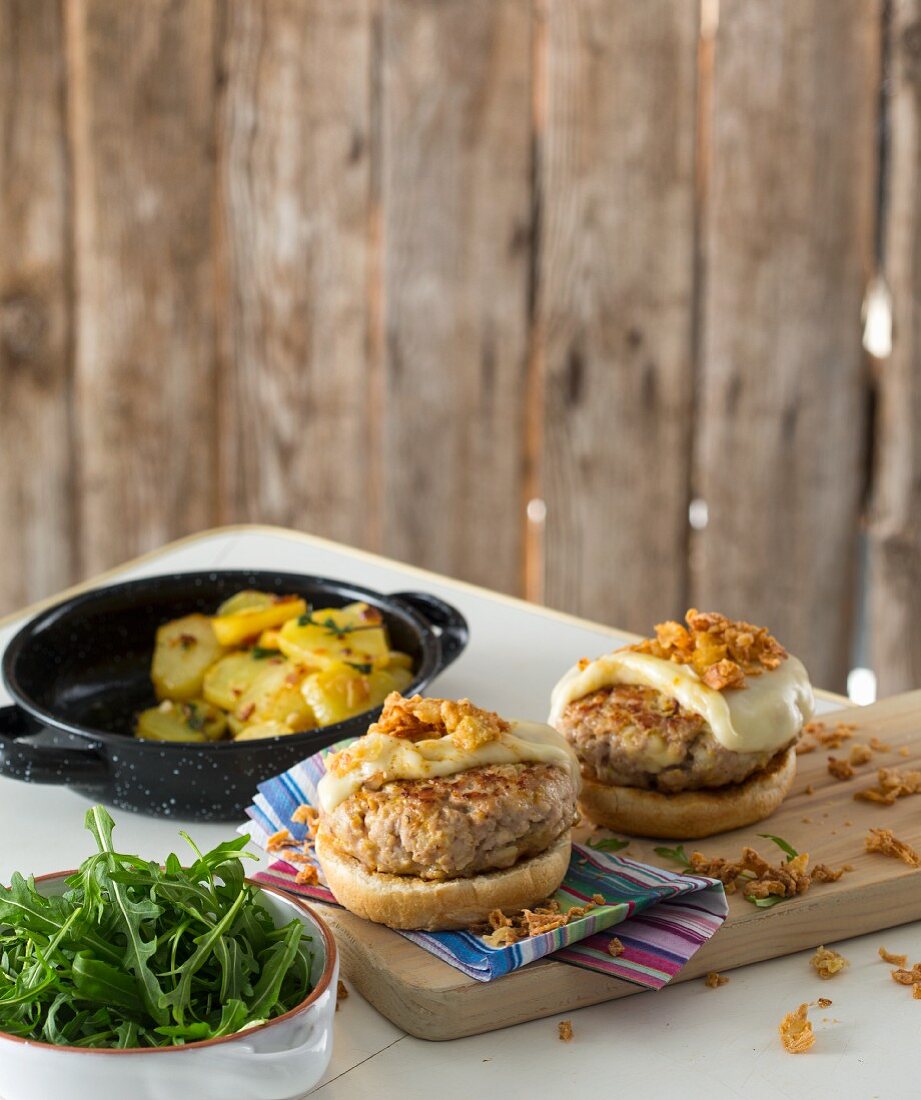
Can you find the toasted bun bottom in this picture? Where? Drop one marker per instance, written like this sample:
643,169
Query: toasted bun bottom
404,901
687,815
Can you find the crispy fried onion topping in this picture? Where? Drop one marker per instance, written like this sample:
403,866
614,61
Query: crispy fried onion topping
722,651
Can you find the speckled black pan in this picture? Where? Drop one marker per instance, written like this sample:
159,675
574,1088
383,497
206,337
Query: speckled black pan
80,671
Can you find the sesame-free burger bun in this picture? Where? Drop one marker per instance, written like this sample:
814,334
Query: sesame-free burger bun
687,815
405,901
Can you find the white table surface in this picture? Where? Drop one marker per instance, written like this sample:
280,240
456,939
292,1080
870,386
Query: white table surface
686,1041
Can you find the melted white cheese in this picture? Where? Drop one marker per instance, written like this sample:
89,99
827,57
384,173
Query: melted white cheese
397,758
765,714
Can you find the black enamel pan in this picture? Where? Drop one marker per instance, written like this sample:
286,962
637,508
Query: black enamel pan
80,671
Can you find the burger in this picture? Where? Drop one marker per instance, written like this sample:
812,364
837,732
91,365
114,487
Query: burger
444,812
686,734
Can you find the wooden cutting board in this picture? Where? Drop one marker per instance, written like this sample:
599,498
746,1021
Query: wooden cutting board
432,1000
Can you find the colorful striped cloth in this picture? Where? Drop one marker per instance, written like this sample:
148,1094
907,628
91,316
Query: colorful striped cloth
660,917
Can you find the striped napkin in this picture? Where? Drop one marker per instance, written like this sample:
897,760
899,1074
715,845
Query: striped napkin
661,918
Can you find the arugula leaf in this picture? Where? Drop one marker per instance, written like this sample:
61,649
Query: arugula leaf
607,844
676,855
133,913
81,969
788,849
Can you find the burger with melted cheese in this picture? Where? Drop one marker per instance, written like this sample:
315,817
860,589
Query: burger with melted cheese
686,734
444,812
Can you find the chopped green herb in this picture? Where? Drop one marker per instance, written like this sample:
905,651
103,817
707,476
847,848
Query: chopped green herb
766,903
259,653
676,855
788,849
607,844
331,627
138,955
364,667
193,716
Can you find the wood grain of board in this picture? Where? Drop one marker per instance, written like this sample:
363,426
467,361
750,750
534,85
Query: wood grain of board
36,499
141,92
788,248
456,233
895,523
432,1000
615,308
294,163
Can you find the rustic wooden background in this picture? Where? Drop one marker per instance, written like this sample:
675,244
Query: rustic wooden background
388,270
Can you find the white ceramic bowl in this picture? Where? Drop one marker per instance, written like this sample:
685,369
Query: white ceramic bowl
281,1060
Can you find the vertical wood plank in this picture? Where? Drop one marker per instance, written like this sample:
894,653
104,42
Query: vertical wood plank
456,213
295,176
35,437
142,119
895,526
616,305
789,247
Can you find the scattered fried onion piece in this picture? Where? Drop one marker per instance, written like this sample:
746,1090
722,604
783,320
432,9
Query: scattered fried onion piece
840,769
564,1029
720,650
796,1032
342,994
714,980
757,879
827,963
893,960
886,843
503,928
891,785
615,948
907,977
281,839
860,754
817,734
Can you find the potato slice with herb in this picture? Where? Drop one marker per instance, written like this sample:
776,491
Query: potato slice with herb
246,600
259,730
193,720
275,696
249,622
341,691
330,636
185,649
230,678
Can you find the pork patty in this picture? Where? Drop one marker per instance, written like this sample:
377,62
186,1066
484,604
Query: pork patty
634,736
483,819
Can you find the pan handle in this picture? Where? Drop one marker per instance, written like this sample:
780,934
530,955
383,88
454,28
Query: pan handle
447,621
43,763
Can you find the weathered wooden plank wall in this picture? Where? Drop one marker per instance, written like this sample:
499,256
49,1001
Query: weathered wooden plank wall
37,548
788,251
615,326
295,203
141,95
455,101
383,269
895,527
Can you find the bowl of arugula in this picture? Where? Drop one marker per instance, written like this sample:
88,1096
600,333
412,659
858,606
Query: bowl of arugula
131,978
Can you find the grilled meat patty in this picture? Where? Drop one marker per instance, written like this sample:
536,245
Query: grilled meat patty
479,820
633,736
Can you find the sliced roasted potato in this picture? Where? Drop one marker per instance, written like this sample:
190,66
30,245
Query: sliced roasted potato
247,600
185,649
275,696
348,635
229,679
259,730
399,660
340,691
268,639
249,622
194,720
